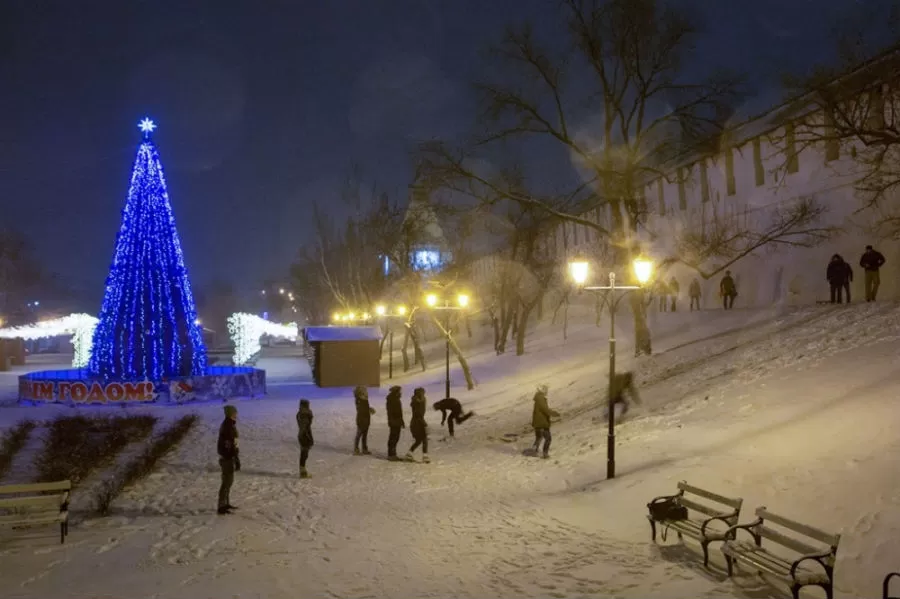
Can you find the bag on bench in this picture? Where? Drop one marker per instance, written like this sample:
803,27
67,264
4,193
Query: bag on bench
667,509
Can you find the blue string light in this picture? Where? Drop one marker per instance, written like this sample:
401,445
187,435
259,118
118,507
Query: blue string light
148,327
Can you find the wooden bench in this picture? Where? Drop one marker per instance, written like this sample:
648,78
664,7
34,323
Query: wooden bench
725,510
886,585
794,571
34,504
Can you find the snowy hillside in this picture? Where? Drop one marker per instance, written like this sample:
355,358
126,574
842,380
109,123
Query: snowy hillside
794,410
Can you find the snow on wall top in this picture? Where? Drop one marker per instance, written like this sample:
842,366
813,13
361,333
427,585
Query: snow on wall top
316,334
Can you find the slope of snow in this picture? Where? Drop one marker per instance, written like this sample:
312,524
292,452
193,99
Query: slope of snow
793,410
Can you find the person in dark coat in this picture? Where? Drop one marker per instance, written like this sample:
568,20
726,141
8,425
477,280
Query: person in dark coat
871,261
540,420
363,419
304,434
229,460
662,290
417,425
728,291
674,289
694,293
624,383
453,406
839,274
394,410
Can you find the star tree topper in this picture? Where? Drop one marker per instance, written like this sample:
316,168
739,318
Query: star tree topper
147,126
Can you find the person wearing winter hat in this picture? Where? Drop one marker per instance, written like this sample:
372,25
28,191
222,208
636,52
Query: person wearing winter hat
229,460
394,410
363,418
540,420
304,434
417,425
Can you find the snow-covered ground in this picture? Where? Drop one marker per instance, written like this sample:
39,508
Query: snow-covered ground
794,410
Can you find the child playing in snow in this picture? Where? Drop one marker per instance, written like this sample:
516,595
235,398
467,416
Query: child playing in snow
417,425
304,434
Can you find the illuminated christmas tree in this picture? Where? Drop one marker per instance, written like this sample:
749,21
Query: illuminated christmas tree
148,327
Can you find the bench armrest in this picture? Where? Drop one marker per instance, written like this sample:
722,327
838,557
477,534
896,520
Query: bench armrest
816,557
732,531
723,519
64,502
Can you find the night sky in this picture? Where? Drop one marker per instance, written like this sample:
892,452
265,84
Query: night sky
264,106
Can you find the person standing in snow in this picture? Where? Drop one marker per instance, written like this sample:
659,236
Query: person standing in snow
662,290
728,291
363,420
839,274
540,420
694,293
417,425
229,460
394,410
871,261
624,383
304,434
453,406
674,289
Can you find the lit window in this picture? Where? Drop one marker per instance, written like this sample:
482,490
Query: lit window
426,260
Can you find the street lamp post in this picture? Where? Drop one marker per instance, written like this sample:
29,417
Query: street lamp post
462,301
579,272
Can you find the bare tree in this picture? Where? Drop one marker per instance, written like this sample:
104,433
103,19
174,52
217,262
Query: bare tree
852,108
717,236
632,52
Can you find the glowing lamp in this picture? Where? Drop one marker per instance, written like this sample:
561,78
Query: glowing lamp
336,317
643,270
431,299
401,310
380,310
366,316
578,270
463,300
351,316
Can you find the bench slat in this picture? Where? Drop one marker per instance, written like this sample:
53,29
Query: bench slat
62,485
811,532
729,501
15,519
786,541
40,501
699,507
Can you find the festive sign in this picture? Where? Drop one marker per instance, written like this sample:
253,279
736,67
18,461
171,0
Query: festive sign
222,382
85,392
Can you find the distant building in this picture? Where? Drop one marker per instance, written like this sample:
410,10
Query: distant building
423,242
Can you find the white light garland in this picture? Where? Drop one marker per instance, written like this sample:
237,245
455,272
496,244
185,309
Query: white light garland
80,326
246,329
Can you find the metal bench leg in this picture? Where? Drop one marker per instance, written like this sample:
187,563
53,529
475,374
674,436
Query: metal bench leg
829,591
652,531
795,590
729,562
62,532
705,546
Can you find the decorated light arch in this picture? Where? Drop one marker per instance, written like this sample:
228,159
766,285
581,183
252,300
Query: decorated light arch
79,326
247,329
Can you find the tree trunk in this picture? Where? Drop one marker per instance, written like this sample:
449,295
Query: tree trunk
524,313
417,348
454,349
468,326
403,349
642,339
